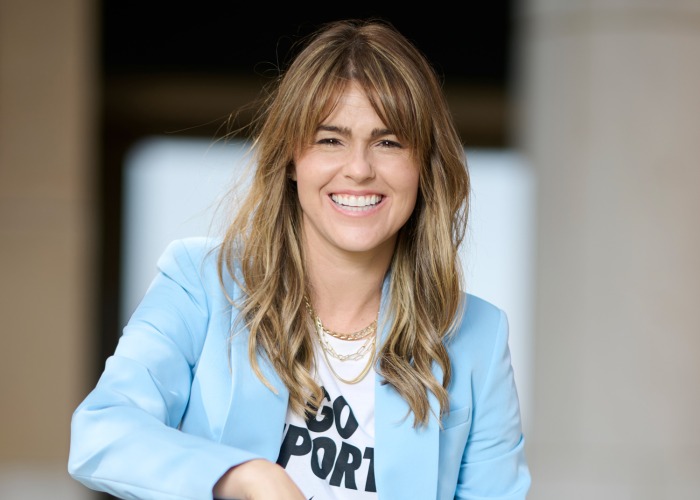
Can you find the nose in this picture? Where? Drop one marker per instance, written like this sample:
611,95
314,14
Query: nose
358,166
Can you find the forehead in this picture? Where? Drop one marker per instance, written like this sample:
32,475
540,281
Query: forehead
352,104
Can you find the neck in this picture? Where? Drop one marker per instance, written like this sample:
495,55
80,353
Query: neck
345,290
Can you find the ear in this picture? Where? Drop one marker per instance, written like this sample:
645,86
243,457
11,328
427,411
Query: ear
292,172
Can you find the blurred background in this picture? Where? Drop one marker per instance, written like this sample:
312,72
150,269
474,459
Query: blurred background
581,121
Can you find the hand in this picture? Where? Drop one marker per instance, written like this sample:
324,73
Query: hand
255,480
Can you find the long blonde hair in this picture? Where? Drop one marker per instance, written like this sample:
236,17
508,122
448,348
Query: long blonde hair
262,247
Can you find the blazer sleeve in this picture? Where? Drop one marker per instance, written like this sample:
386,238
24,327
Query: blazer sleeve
124,435
493,462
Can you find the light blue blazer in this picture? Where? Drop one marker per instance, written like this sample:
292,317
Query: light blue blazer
174,408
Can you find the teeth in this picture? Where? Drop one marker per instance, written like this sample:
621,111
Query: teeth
356,202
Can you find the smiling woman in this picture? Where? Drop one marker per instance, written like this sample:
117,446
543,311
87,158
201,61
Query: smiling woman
328,321
357,185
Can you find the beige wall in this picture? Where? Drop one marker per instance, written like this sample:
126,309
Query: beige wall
46,229
609,116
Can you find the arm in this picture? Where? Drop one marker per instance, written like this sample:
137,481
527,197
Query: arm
257,479
493,463
124,435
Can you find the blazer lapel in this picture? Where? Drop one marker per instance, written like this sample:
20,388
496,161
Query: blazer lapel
405,458
256,415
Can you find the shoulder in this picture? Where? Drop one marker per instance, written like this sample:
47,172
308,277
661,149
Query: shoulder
196,249
478,320
480,313
193,262
195,255
482,329
479,351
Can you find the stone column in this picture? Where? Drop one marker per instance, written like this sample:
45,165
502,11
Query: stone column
47,264
608,115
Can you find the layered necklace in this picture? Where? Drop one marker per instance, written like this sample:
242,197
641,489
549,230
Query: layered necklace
368,334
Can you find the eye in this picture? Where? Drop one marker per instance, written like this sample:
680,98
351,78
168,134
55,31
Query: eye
386,143
328,140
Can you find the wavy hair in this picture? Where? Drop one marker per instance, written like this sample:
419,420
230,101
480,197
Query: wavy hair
262,247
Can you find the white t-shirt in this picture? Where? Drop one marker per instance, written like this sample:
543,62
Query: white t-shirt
332,456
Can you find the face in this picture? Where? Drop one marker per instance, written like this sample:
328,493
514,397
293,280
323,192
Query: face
357,183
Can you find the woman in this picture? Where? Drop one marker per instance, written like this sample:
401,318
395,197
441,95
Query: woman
328,322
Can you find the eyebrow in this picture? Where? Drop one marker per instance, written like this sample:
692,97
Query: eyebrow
345,131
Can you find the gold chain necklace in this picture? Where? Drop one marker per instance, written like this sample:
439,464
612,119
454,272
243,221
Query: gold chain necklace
353,356
327,349
359,377
358,335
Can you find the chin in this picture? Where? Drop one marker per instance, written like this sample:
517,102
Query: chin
363,246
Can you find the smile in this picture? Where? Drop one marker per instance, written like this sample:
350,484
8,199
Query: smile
357,203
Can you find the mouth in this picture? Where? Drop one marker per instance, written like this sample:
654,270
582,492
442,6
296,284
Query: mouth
357,203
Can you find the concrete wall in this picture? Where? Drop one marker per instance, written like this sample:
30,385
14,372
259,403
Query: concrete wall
46,231
609,117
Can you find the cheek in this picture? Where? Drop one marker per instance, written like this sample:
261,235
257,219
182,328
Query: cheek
308,186
300,171
411,186
307,167
409,194
411,205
